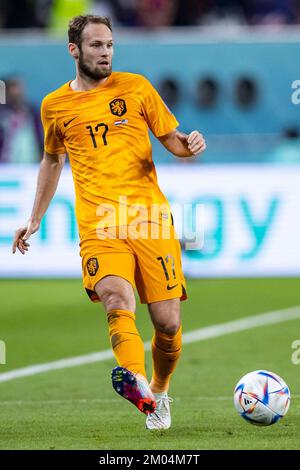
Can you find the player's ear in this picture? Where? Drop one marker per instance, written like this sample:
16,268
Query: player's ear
73,50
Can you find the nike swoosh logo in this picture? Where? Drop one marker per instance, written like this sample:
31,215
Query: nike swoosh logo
171,287
66,123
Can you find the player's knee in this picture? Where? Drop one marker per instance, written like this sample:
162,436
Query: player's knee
169,327
113,300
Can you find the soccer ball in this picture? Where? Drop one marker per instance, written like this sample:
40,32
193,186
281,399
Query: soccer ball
261,397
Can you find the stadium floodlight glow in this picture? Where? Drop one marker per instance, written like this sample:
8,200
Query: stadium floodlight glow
2,352
2,92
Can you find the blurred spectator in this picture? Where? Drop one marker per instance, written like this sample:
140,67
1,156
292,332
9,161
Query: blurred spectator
149,13
190,11
208,12
260,12
42,12
124,12
145,13
104,8
156,13
24,13
63,10
18,13
21,136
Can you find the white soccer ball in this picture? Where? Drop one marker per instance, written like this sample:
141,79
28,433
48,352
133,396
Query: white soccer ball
262,397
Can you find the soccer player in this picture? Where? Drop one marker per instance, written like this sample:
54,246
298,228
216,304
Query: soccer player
101,120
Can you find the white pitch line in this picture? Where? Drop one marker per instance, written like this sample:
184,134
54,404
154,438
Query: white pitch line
221,329
87,401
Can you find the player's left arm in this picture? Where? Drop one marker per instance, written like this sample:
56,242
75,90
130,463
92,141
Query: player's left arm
183,145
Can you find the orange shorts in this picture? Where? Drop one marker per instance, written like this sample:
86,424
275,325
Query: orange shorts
152,266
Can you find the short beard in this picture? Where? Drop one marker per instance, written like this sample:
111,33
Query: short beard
90,73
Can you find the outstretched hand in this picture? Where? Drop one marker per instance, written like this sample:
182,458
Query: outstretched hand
22,235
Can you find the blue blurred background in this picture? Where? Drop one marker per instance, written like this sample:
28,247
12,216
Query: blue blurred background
229,68
225,67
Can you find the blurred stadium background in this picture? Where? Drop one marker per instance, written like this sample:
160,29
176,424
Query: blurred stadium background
229,68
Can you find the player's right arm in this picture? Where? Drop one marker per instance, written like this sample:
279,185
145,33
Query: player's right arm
49,173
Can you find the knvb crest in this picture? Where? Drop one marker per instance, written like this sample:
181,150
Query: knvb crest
118,107
92,266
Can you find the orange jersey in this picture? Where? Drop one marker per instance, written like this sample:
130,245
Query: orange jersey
105,133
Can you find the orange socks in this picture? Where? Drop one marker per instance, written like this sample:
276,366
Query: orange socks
166,351
128,349
126,341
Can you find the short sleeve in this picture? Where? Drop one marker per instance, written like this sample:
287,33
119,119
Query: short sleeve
159,118
53,141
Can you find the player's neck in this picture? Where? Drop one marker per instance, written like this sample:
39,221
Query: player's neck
83,83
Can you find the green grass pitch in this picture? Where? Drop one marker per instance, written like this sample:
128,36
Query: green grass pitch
76,408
